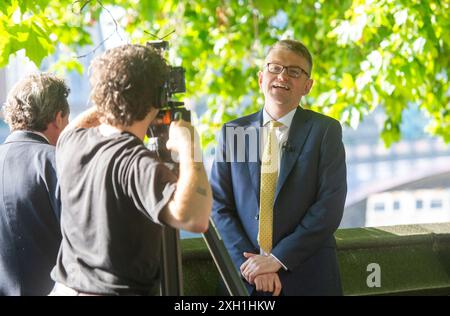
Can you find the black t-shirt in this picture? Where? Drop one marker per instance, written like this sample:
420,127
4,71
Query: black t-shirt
112,192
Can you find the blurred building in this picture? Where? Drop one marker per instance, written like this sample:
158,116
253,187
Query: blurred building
408,183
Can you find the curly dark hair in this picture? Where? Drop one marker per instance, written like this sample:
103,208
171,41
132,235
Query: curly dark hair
34,101
126,83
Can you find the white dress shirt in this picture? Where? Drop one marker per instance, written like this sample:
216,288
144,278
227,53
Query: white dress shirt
282,134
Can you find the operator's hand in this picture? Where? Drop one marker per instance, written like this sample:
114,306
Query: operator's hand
183,139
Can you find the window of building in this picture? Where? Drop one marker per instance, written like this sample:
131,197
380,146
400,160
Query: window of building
396,205
379,207
419,204
436,204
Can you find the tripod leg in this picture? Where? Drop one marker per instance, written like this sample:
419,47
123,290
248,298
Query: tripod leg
171,266
222,259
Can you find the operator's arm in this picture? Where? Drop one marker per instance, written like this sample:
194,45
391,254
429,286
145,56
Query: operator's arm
190,206
88,118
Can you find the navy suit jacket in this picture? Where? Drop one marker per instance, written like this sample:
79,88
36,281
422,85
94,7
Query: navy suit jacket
309,199
29,215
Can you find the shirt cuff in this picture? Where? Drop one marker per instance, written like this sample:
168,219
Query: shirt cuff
282,265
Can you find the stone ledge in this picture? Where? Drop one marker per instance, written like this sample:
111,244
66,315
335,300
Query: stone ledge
372,237
413,260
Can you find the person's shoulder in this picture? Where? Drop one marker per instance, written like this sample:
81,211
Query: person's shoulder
132,148
136,157
42,154
72,133
244,120
34,144
44,147
35,153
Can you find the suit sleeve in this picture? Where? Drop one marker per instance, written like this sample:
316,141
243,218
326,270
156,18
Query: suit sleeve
53,190
324,216
224,212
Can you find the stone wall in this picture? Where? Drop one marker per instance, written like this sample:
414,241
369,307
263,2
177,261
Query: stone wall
394,260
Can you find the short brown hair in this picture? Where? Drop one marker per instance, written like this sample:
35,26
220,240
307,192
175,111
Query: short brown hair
295,47
34,101
126,83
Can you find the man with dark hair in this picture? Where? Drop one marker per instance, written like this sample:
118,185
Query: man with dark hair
277,213
115,193
36,111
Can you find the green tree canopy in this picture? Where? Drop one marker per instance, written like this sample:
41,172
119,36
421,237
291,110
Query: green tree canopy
367,54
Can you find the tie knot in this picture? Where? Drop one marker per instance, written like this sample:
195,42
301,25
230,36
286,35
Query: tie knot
274,124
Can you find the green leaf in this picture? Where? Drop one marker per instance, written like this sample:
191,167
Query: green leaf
390,133
4,5
37,48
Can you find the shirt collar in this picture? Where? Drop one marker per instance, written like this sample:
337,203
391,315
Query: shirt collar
286,120
40,134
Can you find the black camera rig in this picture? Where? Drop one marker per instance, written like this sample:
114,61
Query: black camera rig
170,110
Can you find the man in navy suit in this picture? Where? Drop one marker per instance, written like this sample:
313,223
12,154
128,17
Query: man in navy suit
308,194
36,111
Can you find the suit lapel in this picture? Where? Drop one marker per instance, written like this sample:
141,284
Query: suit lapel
254,167
298,133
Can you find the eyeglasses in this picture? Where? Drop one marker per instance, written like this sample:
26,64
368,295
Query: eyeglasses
292,71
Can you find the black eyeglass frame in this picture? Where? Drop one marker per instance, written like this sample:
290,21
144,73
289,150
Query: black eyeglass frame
287,69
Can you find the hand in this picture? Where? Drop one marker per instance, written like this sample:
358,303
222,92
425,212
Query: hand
258,264
88,118
269,282
184,140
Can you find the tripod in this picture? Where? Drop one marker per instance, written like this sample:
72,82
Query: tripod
171,268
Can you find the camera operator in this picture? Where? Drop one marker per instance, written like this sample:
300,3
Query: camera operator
115,193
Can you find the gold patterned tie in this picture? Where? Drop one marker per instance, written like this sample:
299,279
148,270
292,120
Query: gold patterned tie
269,176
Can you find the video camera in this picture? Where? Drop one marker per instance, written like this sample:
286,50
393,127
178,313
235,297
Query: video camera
170,110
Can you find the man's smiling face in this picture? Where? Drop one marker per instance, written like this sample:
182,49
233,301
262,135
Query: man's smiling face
282,90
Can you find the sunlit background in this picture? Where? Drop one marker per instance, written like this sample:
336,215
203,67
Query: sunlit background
407,183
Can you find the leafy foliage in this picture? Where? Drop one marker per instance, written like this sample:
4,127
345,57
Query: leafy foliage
367,54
